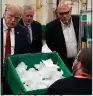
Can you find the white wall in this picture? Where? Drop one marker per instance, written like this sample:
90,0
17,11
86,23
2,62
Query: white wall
89,4
75,6
47,8
4,2
3,5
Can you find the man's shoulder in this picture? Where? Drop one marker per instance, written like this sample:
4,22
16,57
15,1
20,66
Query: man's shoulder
53,22
75,16
21,28
60,84
36,23
65,81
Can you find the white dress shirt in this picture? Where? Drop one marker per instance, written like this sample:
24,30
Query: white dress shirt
12,37
70,39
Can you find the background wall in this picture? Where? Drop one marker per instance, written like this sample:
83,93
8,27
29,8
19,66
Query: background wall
89,4
44,9
4,2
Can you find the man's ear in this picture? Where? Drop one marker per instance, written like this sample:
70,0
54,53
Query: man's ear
70,9
58,16
4,14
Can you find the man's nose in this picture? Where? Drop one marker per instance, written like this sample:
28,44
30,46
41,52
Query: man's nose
29,17
13,19
65,15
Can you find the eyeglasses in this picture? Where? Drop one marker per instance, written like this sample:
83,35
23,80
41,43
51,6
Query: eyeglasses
64,13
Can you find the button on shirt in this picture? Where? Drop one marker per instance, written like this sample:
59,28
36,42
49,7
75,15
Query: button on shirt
12,37
70,39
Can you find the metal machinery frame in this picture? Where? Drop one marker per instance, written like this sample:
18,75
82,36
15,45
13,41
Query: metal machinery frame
85,29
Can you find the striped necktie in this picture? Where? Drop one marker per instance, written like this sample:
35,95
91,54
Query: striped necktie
29,33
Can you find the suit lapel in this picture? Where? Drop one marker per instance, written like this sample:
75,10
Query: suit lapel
32,27
60,36
33,30
17,41
2,41
60,30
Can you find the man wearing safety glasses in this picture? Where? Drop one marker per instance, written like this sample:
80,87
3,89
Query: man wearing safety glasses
62,34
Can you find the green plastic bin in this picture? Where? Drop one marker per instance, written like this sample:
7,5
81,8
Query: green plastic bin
30,60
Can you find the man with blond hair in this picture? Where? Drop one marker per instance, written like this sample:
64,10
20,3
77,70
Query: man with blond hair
33,27
13,36
62,33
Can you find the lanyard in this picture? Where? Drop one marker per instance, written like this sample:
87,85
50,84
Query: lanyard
85,75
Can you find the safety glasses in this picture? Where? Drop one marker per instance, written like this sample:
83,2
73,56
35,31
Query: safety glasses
64,13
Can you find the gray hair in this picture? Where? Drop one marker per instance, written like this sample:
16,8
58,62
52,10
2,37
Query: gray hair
28,7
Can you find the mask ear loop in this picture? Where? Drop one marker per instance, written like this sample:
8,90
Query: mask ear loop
77,65
74,72
78,68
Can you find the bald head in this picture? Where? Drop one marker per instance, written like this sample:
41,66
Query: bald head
64,12
64,6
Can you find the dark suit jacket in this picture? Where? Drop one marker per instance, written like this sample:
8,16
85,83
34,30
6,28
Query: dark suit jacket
36,45
71,86
21,40
55,38
21,44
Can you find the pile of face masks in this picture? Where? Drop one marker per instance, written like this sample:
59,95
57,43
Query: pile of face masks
40,76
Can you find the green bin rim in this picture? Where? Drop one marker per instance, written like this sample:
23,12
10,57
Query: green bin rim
15,72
